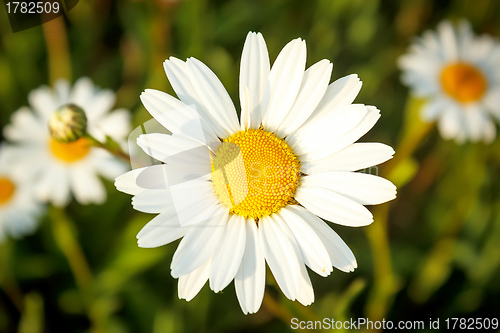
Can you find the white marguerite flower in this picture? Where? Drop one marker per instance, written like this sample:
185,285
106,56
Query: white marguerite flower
242,193
19,210
58,168
459,76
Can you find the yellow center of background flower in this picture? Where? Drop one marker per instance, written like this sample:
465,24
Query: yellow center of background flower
255,174
463,82
70,152
7,189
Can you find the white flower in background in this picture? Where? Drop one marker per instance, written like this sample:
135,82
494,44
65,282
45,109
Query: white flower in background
242,193
58,168
19,210
459,76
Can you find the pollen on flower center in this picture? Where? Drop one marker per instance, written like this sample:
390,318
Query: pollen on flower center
70,152
464,82
255,174
7,189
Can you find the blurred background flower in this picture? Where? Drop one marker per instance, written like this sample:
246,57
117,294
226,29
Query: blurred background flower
459,76
60,161
433,252
19,209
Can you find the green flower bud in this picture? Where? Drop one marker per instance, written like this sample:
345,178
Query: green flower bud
68,123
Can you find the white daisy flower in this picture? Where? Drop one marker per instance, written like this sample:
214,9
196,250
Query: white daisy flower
58,168
19,210
459,76
242,193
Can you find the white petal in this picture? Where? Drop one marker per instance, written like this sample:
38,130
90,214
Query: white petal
62,90
86,185
434,108
191,284
115,124
283,84
213,95
282,254
339,93
153,201
127,182
312,90
347,139
25,127
98,105
352,158
108,165
180,80
492,101
42,100
52,185
227,258
333,207
61,187
325,130
162,229
306,293
82,92
199,244
474,121
363,188
448,40
137,180
194,201
166,148
250,281
312,249
177,117
340,254
489,132
450,123
254,71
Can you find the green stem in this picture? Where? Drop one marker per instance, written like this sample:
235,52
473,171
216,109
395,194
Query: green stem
65,238
57,49
386,283
415,131
7,279
64,234
276,309
110,146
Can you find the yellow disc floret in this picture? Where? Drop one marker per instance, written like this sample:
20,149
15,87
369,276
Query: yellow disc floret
71,151
7,189
254,173
464,82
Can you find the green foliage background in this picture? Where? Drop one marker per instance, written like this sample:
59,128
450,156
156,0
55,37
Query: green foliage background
432,253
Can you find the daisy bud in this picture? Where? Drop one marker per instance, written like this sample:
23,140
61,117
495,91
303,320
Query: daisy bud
68,123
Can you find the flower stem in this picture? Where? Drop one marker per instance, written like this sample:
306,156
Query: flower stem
110,145
7,279
64,234
276,309
65,237
415,131
57,49
386,283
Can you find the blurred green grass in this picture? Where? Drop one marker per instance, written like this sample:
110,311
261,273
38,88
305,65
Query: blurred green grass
443,229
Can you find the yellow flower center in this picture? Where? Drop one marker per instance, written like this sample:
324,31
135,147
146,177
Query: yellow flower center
255,174
464,82
70,152
7,189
